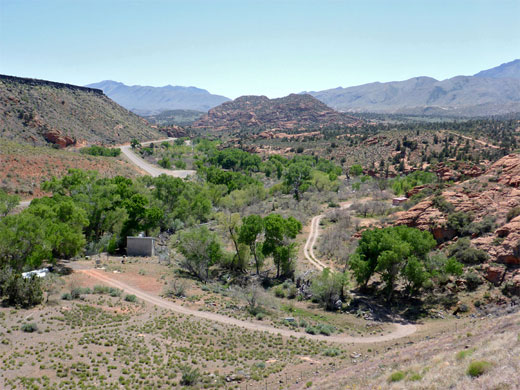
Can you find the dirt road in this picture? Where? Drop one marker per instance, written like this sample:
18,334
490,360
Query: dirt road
149,168
308,249
401,330
474,140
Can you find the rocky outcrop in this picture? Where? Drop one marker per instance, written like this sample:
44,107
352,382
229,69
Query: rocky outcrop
174,131
294,113
54,136
492,194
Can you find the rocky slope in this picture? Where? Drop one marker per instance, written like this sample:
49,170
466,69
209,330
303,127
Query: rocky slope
146,101
42,112
491,92
494,194
291,113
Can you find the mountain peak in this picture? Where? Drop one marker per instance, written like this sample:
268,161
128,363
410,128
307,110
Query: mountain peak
508,70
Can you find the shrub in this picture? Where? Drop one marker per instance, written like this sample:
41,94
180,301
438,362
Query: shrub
75,293
279,292
442,204
513,213
326,329
331,352
101,151
478,367
190,376
414,376
177,288
19,291
29,328
115,292
465,253
460,222
461,355
311,330
66,297
165,162
473,280
328,288
130,298
396,376
308,384
98,289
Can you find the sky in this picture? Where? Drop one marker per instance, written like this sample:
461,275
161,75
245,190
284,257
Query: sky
255,47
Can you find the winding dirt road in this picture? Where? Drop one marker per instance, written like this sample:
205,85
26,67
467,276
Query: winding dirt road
401,330
153,170
308,249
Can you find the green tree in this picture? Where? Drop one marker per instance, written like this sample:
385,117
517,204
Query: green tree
297,178
277,242
393,252
231,223
250,231
7,202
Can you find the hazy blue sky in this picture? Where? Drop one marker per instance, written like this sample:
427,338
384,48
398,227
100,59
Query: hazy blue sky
255,47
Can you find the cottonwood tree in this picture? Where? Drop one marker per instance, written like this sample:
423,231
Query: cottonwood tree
297,178
250,231
393,252
277,243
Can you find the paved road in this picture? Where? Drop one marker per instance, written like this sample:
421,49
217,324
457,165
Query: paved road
401,330
152,169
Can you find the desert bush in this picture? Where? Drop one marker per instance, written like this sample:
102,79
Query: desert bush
29,328
465,253
332,352
177,288
440,203
190,376
396,376
279,292
98,289
19,291
328,288
473,280
461,355
96,150
478,367
130,298
513,213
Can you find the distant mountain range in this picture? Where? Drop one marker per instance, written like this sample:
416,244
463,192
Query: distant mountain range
292,113
146,101
490,92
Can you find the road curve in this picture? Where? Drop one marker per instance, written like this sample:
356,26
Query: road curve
149,168
399,331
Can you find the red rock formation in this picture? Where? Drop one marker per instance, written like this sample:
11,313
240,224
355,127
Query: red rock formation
493,194
54,136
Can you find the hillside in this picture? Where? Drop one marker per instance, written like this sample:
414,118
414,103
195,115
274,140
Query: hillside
23,168
290,113
492,92
492,199
42,112
144,100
